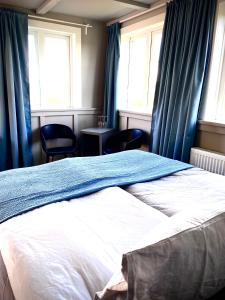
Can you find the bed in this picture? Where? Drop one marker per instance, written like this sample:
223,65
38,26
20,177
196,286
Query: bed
71,249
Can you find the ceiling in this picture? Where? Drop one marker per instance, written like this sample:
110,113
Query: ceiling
102,10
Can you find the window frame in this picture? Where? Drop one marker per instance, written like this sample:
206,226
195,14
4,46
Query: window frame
132,38
214,102
145,27
40,28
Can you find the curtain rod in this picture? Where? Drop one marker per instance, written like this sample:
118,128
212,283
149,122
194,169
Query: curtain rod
86,26
38,17
135,15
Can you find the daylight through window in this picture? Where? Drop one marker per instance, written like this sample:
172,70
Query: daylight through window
54,66
214,108
138,69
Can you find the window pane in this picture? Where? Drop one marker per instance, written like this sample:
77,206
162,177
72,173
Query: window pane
138,73
155,50
214,106
138,70
56,72
34,72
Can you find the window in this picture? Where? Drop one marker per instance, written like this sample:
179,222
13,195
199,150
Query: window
138,69
54,66
214,109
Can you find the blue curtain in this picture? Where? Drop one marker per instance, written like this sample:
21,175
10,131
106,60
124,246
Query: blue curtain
15,116
182,76
111,72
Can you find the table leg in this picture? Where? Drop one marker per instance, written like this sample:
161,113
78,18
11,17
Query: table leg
100,145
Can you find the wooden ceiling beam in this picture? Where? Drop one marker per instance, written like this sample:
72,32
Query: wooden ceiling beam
46,6
134,3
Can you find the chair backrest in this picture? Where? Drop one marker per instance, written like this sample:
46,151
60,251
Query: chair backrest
56,131
128,135
127,139
131,138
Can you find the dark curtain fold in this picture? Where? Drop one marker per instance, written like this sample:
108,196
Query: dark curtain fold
15,116
182,76
111,74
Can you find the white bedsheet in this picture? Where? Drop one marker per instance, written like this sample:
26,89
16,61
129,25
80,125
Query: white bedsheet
69,250
186,190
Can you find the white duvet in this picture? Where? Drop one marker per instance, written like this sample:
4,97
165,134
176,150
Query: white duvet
69,250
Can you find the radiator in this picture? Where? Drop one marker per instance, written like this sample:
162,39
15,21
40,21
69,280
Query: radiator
207,160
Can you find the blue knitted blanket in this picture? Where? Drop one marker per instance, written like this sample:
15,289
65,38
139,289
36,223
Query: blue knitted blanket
22,190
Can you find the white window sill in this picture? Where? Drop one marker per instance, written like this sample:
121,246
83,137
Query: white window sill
137,114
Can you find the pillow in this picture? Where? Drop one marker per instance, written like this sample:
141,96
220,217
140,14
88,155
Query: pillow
182,258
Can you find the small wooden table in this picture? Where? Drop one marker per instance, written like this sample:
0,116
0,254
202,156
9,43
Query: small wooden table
101,133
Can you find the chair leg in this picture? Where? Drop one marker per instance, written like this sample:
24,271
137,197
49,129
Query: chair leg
47,158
